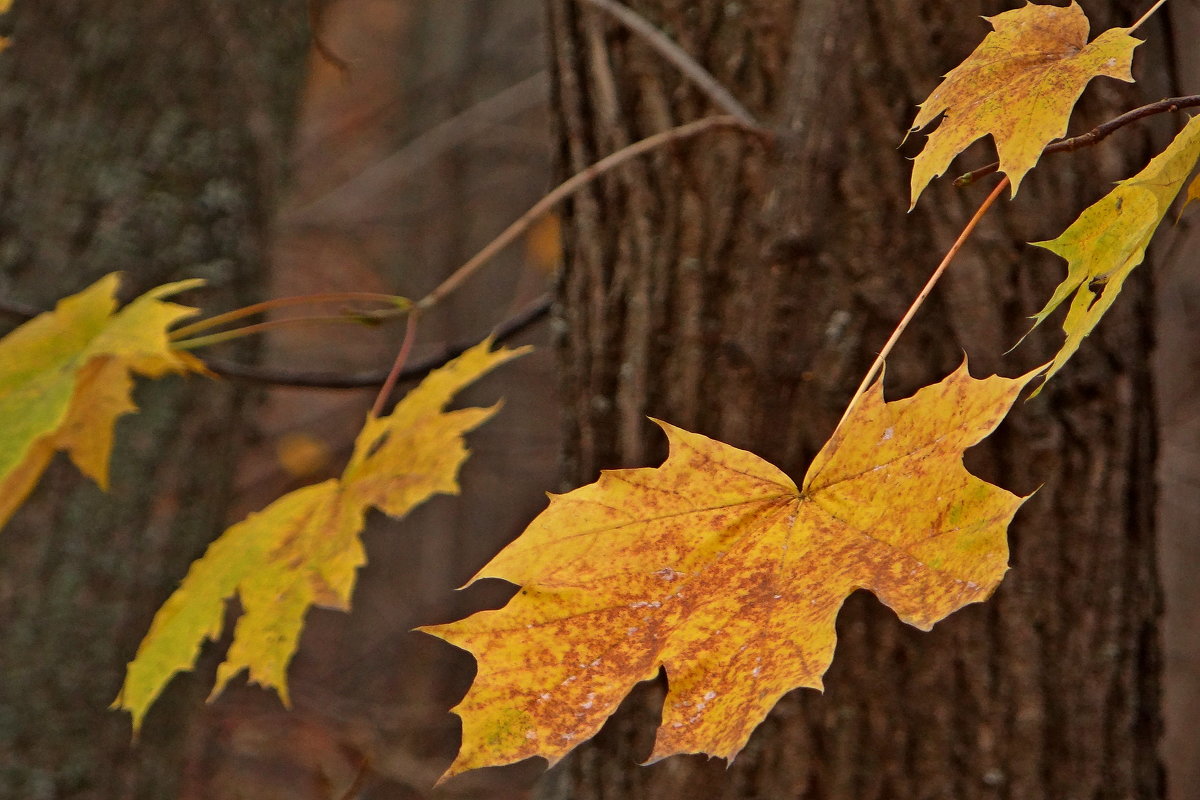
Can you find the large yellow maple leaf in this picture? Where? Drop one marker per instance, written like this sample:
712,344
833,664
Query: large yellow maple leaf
1020,86
1109,239
304,549
65,378
718,568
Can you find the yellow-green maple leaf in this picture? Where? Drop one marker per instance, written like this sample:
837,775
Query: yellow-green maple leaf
1020,86
65,378
718,568
304,549
1109,239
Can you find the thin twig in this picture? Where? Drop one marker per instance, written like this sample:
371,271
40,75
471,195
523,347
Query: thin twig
1147,15
517,324
572,185
912,311
390,303
379,178
1095,135
389,385
360,779
316,19
672,52
209,340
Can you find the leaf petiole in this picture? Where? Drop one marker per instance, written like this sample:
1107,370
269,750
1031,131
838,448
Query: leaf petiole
924,294
197,342
1147,15
389,384
393,306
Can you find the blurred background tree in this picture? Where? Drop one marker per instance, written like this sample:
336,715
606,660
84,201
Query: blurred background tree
151,139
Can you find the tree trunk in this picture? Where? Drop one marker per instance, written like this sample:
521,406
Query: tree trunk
742,292
148,138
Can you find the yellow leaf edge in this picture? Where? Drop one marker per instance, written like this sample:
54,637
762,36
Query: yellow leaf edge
164,653
1150,187
1012,163
678,437
74,431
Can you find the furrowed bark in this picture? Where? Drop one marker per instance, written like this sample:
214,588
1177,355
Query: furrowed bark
148,138
741,292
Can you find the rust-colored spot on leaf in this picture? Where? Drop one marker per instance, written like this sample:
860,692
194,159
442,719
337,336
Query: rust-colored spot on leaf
719,568
1020,86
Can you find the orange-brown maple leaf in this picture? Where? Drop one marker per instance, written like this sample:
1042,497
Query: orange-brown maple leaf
718,568
1020,86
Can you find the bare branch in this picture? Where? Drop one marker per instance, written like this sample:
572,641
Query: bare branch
376,180
672,52
1095,135
574,184
520,322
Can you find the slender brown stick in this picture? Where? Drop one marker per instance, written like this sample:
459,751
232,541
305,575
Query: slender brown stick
261,327
381,177
360,779
1095,135
912,311
672,52
389,385
518,323
1147,15
391,301
572,185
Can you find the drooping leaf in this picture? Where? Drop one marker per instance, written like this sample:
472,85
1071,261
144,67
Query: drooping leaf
1109,239
65,378
718,568
1194,190
1020,86
304,549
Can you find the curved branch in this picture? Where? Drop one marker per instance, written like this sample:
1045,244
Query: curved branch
520,322
668,49
1095,135
573,184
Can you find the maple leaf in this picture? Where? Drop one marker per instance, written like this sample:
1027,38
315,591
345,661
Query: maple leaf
65,378
1020,86
718,568
304,549
1109,239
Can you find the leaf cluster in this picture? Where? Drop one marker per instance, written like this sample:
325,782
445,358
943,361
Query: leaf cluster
714,566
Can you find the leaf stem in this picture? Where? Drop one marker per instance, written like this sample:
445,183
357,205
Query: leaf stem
389,385
1147,15
924,294
572,185
1094,136
259,327
523,320
391,301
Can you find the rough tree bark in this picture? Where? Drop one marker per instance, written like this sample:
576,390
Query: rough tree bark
148,138
741,292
